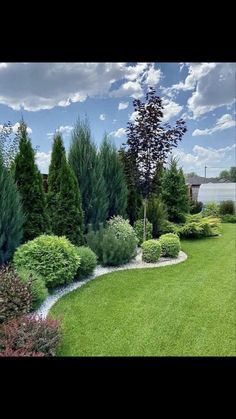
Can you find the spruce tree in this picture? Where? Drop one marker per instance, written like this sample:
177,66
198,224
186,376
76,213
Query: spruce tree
114,178
30,185
11,215
85,164
175,192
64,202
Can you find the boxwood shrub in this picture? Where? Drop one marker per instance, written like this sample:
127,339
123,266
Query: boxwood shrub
88,261
170,245
151,250
54,258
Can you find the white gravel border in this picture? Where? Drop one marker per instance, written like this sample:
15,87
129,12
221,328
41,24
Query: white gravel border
136,263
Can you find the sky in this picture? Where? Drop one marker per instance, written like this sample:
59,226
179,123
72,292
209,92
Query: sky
51,96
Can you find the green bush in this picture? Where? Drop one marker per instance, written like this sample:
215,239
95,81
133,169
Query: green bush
228,218
170,245
205,227
138,227
227,207
54,258
88,261
15,297
211,209
169,227
36,284
151,251
195,207
191,229
94,240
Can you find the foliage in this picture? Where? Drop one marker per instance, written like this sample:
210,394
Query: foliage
53,258
228,218
169,227
170,245
64,201
88,261
9,144
134,199
210,209
203,227
88,170
229,174
11,215
8,352
139,226
151,251
114,177
94,241
192,229
122,229
15,296
30,334
227,207
195,207
175,192
36,285
156,214
30,185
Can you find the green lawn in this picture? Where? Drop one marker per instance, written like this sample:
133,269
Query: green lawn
187,309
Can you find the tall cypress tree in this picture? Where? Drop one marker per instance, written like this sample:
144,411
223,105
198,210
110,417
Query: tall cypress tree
88,171
11,215
114,178
175,192
30,185
64,200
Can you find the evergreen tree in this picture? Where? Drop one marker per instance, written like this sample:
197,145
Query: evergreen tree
88,171
30,185
64,200
156,214
134,199
175,192
114,178
11,215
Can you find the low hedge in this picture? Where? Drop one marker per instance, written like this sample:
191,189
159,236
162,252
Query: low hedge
151,251
170,245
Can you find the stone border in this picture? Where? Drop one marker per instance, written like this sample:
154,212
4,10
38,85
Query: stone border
136,263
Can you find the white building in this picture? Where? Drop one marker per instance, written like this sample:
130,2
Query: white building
217,192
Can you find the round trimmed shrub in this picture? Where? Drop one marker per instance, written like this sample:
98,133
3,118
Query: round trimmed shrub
88,261
54,258
151,251
170,245
138,228
37,286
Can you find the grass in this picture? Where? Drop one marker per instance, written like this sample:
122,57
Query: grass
180,310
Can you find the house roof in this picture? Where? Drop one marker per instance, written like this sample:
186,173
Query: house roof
198,180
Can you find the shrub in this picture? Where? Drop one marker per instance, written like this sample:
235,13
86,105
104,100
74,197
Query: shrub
122,228
20,352
169,227
210,209
170,245
156,214
228,218
94,240
227,207
54,258
204,227
151,251
138,227
37,286
15,296
195,207
116,251
191,230
88,261
31,335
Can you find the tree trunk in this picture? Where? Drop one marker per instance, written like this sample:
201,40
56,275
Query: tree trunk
144,219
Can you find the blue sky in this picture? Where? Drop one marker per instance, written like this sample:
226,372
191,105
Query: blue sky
51,96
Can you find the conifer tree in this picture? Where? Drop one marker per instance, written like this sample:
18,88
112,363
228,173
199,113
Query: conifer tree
175,192
87,168
11,215
30,185
113,174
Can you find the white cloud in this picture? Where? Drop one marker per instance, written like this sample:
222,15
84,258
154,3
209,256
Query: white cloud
133,116
63,129
102,117
123,105
224,122
118,133
15,128
153,76
43,161
36,86
171,109
202,156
